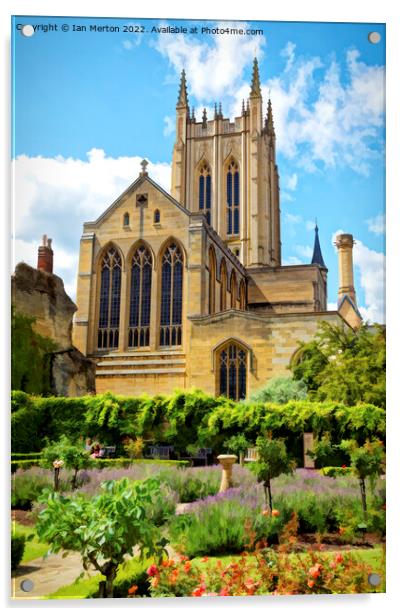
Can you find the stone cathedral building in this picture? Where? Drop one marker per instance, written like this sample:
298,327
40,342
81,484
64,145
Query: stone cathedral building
187,289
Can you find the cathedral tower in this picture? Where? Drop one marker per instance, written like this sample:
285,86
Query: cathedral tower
228,171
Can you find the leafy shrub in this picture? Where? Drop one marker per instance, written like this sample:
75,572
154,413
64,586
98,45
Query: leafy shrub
17,550
336,471
280,389
103,529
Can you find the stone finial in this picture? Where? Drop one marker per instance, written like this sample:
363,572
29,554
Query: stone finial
220,111
144,164
204,118
269,120
243,108
255,81
215,111
193,115
182,101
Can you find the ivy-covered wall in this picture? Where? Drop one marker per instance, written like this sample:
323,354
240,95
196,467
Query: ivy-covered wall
186,418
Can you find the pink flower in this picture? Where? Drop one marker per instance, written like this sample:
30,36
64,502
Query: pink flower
152,570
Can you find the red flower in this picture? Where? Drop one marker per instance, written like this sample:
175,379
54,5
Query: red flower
343,465
187,566
275,513
310,583
224,593
339,558
152,570
132,590
315,570
199,591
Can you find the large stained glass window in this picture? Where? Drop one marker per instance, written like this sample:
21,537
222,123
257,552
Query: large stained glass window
232,198
109,301
233,371
204,191
140,298
171,297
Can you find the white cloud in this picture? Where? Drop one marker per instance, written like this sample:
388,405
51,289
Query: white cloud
304,251
293,219
288,52
310,225
332,120
127,45
170,125
286,197
369,265
377,224
292,261
57,195
291,181
216,70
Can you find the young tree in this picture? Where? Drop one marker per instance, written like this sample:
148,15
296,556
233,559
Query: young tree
366,462
105,528
343,365
272,461
64,453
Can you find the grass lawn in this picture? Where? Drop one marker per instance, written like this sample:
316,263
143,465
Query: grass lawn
33,547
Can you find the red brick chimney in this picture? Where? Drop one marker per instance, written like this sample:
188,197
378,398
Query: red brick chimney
45,256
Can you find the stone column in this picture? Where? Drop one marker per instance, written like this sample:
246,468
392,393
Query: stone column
226,462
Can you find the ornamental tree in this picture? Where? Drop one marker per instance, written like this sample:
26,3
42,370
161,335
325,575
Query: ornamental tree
104,529
366,462
272,461
64,453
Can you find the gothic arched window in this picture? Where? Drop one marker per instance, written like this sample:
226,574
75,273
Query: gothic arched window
140,298
232,362
126,219
212,279
109,301
204,191
171,296
232,198
224,285
157,217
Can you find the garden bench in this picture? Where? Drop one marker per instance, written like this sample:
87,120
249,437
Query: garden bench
252,455
160,452
108,452
202,454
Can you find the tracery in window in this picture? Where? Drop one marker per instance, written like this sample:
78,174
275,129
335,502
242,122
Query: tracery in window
204,191
232,198
140,298
109,300
171,296
232,371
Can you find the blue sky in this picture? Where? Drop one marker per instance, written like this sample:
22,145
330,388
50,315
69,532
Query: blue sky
89,106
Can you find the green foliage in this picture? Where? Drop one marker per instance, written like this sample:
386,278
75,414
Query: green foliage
237,444
272,461
280,389
17,550
191,418
30,356
339,364
336,471
365,461
224,527
105,528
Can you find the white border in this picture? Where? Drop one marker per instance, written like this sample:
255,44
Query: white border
388,11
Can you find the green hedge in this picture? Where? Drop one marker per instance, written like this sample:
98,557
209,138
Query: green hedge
186,418
100,462
17,550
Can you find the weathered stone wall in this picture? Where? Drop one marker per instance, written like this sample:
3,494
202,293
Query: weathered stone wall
41,295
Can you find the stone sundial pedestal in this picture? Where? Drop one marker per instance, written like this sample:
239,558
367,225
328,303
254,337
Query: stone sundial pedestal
226,462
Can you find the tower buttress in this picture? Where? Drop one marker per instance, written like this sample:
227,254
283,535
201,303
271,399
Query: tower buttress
257,243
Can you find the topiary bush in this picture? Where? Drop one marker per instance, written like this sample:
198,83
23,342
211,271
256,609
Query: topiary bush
17,550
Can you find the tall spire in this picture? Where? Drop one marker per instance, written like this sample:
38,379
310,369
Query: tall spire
317,258
255,82
269,120
182,101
